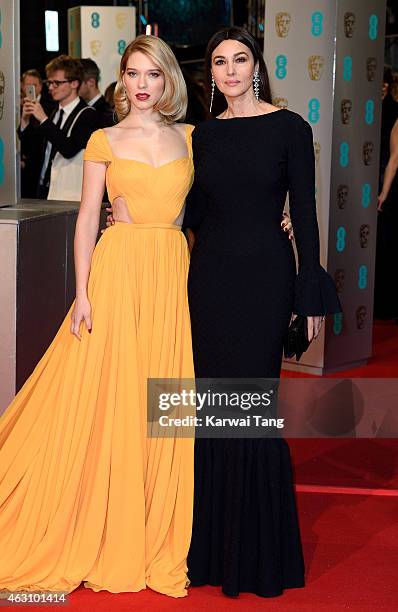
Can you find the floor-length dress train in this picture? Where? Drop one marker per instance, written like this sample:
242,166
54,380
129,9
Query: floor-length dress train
85,495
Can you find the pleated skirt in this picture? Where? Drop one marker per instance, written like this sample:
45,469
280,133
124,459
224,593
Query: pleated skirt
85,495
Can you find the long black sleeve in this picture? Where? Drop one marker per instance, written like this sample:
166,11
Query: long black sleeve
69,146
315,292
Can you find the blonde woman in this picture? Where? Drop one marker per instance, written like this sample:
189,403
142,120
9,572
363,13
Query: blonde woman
85,495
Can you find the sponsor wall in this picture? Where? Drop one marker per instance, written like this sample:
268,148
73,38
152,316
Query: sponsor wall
101,33
325,59
9,101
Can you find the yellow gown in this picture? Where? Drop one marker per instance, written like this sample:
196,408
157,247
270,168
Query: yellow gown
85,495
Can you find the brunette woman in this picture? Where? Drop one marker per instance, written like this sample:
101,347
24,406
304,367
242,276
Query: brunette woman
243,289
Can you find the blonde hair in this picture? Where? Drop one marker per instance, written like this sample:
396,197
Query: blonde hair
172,104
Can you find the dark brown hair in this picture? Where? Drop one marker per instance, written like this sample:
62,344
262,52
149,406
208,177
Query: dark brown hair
243,36
90,69
71,67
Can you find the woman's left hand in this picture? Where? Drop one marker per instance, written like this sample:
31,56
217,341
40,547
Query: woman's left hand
380,201
314,325
287,225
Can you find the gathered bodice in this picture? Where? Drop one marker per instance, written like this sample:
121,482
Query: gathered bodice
152,194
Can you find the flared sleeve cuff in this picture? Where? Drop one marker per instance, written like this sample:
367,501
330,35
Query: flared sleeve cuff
315,293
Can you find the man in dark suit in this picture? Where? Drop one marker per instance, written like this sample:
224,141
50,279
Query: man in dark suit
33,142
65,132
91,94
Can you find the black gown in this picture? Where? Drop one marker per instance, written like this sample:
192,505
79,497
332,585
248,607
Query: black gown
242,290
386,292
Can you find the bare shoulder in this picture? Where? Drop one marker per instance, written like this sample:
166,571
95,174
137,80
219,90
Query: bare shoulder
183,130
108,131
119,132
115,128
183,127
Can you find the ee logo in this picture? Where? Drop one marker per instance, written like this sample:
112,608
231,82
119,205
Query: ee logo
362,277
366,195
317,23
313,110
95,20
347,68
344,151
337,323
369,112
280,70
340,242
373,23
121,46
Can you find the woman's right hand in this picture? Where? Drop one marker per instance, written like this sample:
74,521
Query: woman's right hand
109,220
81,312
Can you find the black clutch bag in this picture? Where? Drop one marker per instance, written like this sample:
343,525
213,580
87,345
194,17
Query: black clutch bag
296,342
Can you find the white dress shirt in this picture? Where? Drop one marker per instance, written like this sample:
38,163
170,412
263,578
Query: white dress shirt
67,111
93,101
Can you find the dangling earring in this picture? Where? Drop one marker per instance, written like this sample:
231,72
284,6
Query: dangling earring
256,85
213,85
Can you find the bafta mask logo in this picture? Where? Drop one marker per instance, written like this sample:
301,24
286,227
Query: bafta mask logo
367,153
346,111
349,24
280,102
364,232
315,67
361,312
339,277
121,19
95,46
2,89
282,24
371,67
342,196
317,152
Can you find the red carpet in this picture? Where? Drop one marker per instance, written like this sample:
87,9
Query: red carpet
354,463
350,546
350,540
